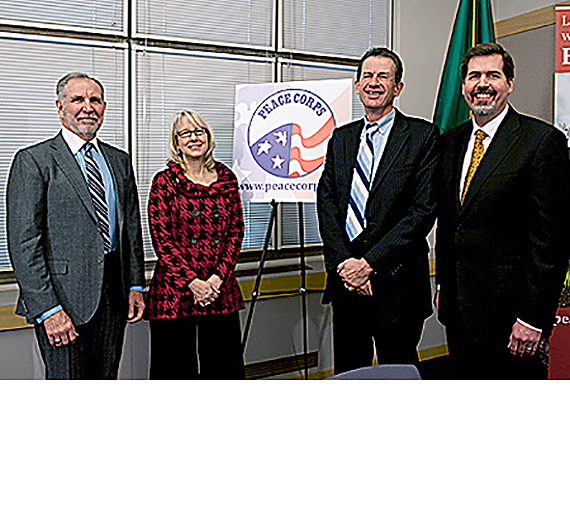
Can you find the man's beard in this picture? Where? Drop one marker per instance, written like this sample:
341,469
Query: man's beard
483,110
80,128
487,108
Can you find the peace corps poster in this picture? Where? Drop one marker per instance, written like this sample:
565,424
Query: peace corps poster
281,135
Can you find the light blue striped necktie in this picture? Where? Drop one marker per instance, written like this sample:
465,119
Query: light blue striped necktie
97,191
360,189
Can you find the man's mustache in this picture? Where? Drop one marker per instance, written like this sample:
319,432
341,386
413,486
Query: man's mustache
483,90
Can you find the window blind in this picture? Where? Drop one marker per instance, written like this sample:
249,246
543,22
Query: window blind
226,44
168,82
87,14
341,27
249,22
28,112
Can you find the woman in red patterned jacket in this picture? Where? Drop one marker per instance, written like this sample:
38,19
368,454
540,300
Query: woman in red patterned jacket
196,223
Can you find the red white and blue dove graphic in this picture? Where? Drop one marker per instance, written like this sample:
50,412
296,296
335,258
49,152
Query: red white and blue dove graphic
287,153
288,133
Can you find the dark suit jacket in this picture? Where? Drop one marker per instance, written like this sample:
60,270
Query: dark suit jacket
55,248
399,214
503,254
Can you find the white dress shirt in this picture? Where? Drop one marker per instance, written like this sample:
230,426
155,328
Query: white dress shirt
490,129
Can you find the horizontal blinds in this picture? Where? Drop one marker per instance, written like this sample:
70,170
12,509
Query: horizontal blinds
347,27
290,233
169,82
249,22
164,81
28,112
89,14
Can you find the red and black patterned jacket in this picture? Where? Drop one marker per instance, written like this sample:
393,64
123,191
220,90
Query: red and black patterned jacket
196,232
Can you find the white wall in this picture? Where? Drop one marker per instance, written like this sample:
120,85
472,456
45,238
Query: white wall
421,37
508,8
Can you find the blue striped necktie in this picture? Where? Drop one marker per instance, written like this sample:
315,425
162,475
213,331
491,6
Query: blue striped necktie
97,191
360,189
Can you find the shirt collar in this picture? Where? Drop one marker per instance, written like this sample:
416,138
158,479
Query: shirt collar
491,128
385,122
75,142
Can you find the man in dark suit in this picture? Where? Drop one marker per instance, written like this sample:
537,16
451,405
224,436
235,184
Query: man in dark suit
75,239
375,207
502,242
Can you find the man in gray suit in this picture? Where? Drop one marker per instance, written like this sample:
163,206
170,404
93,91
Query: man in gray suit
75,239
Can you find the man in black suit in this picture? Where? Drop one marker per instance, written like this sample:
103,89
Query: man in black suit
376,207
502,242
75,239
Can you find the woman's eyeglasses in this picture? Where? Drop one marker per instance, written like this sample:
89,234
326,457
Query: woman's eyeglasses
188,133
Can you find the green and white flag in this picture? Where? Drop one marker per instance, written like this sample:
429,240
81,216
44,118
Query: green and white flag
473,25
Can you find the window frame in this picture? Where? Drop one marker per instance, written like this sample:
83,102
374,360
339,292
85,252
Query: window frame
129,38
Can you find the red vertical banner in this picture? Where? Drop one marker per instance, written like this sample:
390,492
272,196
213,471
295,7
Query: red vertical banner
562,54
559,363
562,70
559,342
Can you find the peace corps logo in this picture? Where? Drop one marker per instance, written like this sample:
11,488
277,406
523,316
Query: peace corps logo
288,133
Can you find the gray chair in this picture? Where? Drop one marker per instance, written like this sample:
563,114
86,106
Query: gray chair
390,372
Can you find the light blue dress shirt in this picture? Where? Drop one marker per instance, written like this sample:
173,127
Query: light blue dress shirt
380,138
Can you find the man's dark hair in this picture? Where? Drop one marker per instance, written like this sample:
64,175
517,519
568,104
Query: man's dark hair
488,49
382,52
62,84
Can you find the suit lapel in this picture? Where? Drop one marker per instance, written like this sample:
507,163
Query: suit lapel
460,144
398,136
504,140
349,151
71,170
116,175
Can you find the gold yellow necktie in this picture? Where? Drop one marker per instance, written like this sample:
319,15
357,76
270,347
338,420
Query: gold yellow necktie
476,157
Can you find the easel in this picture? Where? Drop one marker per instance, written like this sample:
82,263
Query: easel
302,290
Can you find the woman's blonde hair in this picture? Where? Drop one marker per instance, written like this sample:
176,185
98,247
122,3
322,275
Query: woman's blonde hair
199,122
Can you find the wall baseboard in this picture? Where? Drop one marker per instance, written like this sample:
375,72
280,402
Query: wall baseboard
431,352
281,366
295,363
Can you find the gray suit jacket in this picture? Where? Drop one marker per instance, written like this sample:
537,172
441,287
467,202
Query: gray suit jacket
55,248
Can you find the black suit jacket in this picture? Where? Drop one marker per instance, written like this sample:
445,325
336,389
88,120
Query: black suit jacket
399,215
56,250
502,255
